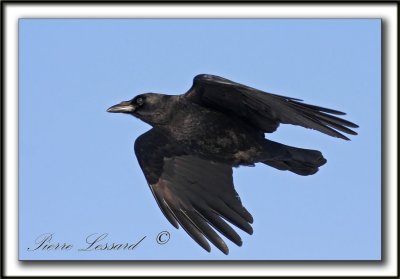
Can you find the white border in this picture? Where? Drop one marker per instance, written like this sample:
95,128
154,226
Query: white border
13,12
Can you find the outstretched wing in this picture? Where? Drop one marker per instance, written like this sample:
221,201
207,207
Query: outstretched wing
265,110
192,192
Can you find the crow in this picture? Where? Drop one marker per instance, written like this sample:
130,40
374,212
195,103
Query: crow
196,139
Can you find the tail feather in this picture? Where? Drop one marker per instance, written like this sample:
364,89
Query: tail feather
300,161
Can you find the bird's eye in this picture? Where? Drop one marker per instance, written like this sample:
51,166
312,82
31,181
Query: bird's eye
140,101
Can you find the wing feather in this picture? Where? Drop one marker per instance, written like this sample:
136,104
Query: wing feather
192,192
265,110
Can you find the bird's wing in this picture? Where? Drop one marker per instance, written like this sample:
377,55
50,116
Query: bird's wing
265,110
195,193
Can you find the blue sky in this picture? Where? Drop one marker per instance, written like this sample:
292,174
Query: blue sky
78,174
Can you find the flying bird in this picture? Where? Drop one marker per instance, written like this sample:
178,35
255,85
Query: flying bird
196,139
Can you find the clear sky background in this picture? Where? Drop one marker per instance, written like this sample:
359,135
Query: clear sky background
78,174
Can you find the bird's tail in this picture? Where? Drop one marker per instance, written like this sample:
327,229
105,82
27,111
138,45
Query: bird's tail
298,160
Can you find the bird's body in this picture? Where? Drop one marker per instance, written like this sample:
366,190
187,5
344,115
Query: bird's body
209,133
196,139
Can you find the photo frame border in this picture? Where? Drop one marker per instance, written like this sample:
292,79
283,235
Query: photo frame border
388,267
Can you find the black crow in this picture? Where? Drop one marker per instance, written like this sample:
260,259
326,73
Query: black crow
196,139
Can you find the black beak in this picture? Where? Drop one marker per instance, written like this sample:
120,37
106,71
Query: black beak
125,107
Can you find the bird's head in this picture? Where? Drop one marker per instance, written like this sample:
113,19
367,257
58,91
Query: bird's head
151,108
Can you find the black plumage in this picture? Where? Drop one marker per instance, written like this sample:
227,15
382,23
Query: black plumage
196,139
